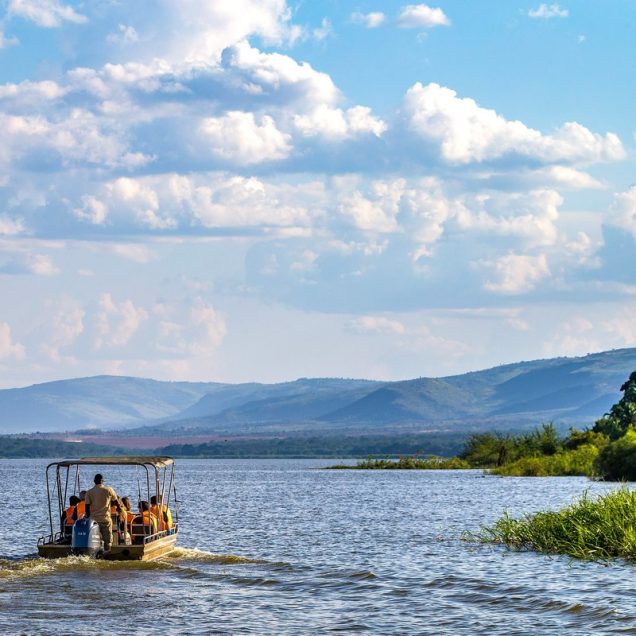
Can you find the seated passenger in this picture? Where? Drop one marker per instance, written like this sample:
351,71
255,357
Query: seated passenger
144,524
130,515
162,513
69,516
80,509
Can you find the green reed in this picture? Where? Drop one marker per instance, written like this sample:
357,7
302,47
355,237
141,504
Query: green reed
591,528
408,463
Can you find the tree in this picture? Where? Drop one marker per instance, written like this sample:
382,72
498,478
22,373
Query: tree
622,416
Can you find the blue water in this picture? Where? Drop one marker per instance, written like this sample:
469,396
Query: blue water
282,547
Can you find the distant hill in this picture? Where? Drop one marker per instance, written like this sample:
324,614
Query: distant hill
569,391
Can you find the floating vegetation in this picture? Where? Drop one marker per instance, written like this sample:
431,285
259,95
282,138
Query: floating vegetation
407,463
591,528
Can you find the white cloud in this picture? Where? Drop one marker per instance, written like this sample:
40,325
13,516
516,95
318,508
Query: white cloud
92,210
137,253
125,34
336,124
64,325
623,211
78,139
8,348
468,133
415,16
370,20
197,31
546,11
323,31
531,216
375,325
45,13
27,263
6,42
200,334
116,323
238,137
515,273
10,226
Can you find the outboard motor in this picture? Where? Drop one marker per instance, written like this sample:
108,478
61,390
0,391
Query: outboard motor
86,539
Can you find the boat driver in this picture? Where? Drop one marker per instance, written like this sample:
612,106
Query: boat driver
99,500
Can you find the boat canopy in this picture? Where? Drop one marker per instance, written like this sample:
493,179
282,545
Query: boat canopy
133,460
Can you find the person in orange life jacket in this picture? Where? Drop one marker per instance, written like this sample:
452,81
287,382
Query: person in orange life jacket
143,519
162,513
98,503
80,509
69,516
130,515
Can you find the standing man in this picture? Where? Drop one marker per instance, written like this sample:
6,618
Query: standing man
99,500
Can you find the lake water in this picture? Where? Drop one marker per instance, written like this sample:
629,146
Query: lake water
279,547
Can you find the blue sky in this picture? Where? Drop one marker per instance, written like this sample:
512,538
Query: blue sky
265,190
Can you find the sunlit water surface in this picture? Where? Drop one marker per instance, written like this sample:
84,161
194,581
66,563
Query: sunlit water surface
281,547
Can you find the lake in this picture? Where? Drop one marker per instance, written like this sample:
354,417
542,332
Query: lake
281,547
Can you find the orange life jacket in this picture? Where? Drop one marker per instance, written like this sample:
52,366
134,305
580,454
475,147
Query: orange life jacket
165,523
80,510
130,515
145,518
70,515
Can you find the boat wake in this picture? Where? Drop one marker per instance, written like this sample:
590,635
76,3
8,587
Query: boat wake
32,565
202,556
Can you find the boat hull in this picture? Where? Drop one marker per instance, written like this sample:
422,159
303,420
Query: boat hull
144,552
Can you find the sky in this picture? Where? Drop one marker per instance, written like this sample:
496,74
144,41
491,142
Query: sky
261,190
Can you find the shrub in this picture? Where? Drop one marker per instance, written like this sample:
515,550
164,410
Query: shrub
617,461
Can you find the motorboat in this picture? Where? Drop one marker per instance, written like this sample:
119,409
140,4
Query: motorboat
137,539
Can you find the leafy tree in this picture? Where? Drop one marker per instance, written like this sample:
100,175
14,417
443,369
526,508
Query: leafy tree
622,415
617,461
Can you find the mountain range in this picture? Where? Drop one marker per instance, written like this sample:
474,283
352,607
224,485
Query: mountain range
569,391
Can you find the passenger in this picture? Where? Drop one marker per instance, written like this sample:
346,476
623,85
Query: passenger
69,516
80,509
144,524
98,503
130,515
163,514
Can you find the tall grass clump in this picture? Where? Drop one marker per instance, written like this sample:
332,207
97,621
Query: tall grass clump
580,461
593,529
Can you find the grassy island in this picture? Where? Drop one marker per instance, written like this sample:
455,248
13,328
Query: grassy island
592,529
407,463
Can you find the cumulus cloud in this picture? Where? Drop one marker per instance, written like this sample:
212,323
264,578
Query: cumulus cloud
8,348
336,124
92,210
238,137
530,216
623,211
45,13
116,323
371,20
547,11
467,133
515,273
415,16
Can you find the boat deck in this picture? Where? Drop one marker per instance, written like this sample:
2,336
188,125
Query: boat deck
152,549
